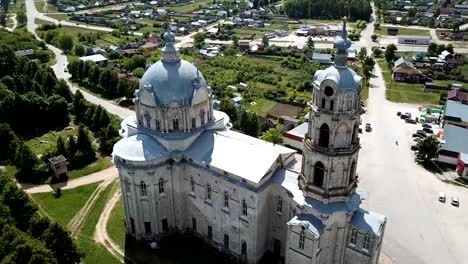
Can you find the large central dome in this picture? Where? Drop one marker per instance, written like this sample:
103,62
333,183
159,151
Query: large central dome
173,82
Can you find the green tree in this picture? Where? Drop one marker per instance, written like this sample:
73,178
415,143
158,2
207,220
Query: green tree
25,161
449,48
273,135
79,50
436,13
310,43
227,106
265,41
235,41
72,148
62,89
21,17
199,40
390,53
362,54
428,148
432,48
85,149
248,123
61,244
8,142
374,37
61,149
138,72
65,42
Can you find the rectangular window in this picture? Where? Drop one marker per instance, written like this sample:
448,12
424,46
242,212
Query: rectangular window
148,227
301,240
158,125
161,186
194,224
353,238
226,241
226,199
366,242
165,226
210,232
244,207
279,205
192,184
194,122
208,192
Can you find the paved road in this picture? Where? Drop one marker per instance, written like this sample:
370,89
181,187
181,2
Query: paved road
106,174
420,229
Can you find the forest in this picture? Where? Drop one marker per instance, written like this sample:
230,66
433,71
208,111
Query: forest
328,9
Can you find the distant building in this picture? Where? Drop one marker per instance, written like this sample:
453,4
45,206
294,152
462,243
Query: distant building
27,53
322,58
414,40
462,165
456,113
404,71
454,143
392,31
59,166
97,58
294,137
457,95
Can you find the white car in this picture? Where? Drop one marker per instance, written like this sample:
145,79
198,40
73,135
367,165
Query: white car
455,201
442,197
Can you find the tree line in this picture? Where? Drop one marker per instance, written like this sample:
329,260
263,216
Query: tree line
28,237
328,9
103,80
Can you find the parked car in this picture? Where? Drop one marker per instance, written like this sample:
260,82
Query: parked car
402,116
442,197
398,113
408,114
417,135
368,127
414,147
421,132
360,130
455,201
426,126
417,139
428,130
410,121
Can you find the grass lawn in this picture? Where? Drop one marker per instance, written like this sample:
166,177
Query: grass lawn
98,165
63,209
251,32
404,31
58,16
406,92
48,141
189,8
95,253
115,226
262,106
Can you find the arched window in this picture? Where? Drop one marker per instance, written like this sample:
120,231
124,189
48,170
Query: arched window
352,171
319,174
226,199
202,117
244,248
161,185
175,124
208,192
366,242
142,188
323,103
192,184
324,136
244,207
331,105
353,238
301,240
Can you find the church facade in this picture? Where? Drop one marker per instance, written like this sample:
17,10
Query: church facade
182,168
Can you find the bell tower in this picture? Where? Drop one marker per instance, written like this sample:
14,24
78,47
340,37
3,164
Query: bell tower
331,145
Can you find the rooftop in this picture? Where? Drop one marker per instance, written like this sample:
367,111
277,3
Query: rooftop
57,159
309,222
456,111
95,58
455,139
368,221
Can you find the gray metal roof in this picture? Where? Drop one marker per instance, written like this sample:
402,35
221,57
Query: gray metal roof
173,82
368,221
456,111
139,147
345,78
456,139
310,223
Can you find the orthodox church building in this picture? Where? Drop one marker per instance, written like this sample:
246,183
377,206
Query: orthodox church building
182,168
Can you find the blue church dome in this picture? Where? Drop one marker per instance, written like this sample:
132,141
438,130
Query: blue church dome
173,82
344,77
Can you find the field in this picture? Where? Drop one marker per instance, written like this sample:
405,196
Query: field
98,165
261,106
47,142
403,31
285,109
189,8
63,209
406,92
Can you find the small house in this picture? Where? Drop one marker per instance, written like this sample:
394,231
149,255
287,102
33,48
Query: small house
59,166
392,31
321,58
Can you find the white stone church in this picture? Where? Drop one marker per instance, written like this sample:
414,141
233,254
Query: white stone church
182,168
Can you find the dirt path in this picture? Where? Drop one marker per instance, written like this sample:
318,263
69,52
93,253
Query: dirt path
101,236
78,219
102,175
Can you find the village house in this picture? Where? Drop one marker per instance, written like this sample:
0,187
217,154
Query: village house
404,71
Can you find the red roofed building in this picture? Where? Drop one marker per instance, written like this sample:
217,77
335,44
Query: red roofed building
404,71
457,95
